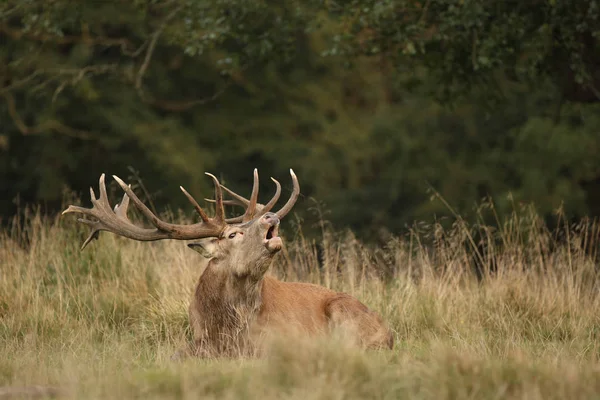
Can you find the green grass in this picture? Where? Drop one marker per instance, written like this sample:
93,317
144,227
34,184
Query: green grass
102,323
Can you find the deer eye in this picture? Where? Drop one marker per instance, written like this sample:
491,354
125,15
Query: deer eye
232,235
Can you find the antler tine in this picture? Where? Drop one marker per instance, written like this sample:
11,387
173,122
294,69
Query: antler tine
219,209
121,208
93,234
140,205
249,214
103,196
199,209
267,207
295,193
226,202
101,203
238,200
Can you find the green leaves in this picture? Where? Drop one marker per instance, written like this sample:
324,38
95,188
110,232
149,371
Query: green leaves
344,92
466,43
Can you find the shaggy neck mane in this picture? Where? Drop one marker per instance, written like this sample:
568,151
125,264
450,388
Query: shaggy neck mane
231,289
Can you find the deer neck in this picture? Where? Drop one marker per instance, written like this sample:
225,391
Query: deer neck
234,289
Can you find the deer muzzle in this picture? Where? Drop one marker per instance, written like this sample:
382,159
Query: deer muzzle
272,241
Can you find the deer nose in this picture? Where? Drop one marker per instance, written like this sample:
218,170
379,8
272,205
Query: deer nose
271,218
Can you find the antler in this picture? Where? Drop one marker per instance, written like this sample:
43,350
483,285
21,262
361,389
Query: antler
293,197
116,221
255,209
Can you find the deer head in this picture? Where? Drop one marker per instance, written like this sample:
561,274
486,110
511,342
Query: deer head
246,243
251,240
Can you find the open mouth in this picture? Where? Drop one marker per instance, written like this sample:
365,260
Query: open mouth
272,232
273,242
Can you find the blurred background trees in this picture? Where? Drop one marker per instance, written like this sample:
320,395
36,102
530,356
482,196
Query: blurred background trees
373,103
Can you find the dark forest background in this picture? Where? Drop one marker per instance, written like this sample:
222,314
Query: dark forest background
376,105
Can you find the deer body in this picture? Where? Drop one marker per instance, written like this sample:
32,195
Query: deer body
314,309
248,309
235,305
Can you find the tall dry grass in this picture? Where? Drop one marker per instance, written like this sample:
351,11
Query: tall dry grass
511,312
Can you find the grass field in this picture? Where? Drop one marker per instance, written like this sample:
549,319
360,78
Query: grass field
102,323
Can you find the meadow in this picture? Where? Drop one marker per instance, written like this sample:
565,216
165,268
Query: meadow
477,313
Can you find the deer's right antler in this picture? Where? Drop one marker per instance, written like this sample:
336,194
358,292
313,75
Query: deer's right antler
116,221
255,209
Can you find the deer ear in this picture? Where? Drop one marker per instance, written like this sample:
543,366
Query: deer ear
206,248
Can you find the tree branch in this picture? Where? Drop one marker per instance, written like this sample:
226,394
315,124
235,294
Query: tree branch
151,47
75,74
167,105
182,105
424,12
79,74
21,82
17,34
50,125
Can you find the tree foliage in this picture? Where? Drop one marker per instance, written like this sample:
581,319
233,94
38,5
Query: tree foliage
466,43
343,92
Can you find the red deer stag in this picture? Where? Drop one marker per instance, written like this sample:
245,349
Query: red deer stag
235,303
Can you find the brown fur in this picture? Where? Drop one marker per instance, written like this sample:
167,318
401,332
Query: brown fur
314,309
